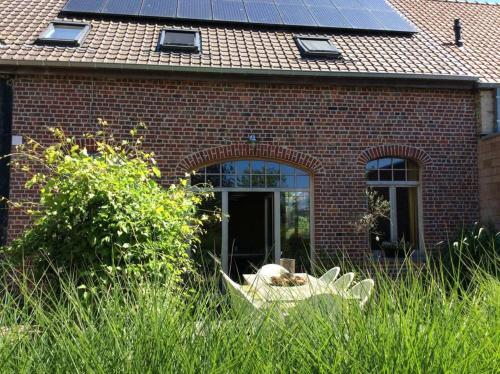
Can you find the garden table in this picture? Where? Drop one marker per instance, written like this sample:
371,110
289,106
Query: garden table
262,286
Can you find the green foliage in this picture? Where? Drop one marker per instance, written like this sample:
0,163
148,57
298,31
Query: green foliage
105,212
377,208
476,249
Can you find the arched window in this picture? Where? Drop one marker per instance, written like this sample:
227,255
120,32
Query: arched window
253,174
397,180
266,208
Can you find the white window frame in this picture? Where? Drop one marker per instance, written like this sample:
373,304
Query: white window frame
45,38
276,211
393,185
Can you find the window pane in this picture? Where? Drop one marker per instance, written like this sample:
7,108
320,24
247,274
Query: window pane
372,165
211,239
385,163
287,181
214,180
180,37
228,181
295,228
372,175
412,164
65,32
301,182
382,231
213,169
243,180
407,216
228,168
272,168
287,170
272,180
243,167
413,175
258,181
301,172
398,163
197,179
258,167
385,175
399,175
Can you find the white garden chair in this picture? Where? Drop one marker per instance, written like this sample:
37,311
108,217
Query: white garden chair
362,291
342,284
330,275
242,300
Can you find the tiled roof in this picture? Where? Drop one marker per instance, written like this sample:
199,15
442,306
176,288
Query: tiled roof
132,44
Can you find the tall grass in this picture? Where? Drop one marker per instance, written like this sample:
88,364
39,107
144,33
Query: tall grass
411,325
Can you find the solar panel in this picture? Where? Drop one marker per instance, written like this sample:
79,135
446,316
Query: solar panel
368,15
289,2
353,4
229,10
195,9
128,7
329,17
318,3
159,8
374,4
259,12
296,15
87,6
361,19
392,20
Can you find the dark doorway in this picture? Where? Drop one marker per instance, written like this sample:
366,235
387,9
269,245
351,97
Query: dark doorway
250,231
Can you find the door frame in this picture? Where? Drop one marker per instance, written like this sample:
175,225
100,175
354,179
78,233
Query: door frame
276,218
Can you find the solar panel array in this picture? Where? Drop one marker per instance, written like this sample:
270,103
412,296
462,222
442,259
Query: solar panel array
340,14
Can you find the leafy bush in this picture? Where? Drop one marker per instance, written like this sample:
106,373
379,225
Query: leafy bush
105,212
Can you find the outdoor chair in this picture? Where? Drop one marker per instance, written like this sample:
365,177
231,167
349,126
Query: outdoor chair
362,291
242,300
330,275
342,284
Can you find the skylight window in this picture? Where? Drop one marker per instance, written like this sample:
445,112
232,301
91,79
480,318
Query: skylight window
64,33
174,40
316,47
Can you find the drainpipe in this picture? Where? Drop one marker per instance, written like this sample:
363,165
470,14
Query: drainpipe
497,109
5,149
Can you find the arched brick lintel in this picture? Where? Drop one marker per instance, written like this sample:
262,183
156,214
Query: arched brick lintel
388,150
240,151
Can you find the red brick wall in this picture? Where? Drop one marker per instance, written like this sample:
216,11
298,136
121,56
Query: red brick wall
489,179
329,130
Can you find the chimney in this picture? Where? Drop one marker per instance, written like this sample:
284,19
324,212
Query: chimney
458,33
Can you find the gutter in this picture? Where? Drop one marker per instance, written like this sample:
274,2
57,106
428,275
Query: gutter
235,71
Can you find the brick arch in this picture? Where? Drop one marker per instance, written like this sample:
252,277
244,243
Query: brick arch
239,151
403,151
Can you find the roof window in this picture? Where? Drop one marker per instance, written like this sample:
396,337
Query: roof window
311,46
69,34
174,40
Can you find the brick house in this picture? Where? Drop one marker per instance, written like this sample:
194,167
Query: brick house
289,119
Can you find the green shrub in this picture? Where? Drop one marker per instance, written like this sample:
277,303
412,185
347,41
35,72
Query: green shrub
105,212
475,250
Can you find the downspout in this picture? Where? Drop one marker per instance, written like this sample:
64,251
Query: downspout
5,149
497,109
